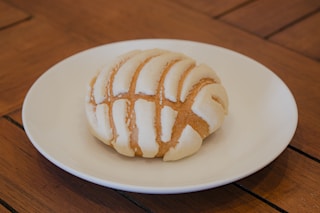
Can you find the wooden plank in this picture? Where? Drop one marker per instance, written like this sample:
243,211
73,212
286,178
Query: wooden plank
10,15
227,197
223,199
213,8
16,116
283,176
169,20
230,195
284,183
303,37
42,186
4,209
263,18
30,183
28,50
160,19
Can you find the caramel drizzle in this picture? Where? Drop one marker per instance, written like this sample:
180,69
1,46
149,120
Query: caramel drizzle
109,100
187,117
131,112
184,117
160,102
91,101
131,97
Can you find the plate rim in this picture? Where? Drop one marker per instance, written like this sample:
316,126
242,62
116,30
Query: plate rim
150,189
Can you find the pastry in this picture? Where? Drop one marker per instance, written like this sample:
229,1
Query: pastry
155,103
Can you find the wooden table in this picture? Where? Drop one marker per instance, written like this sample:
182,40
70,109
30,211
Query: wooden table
282,35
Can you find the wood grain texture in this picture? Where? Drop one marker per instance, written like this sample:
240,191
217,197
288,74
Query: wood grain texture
30,183
213,8
25,57
282,175
3,209
265,17
169,20
10,15
299,190
223,199
54,180
16,116
303,37
58,29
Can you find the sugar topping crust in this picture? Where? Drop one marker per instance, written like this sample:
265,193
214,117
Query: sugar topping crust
155,103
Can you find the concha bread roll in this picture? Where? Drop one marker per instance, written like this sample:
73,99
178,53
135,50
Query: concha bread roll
155,103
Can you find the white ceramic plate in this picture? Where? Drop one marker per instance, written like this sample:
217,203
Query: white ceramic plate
261,122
